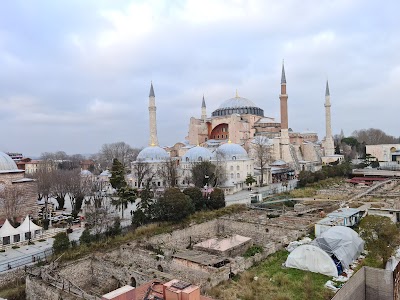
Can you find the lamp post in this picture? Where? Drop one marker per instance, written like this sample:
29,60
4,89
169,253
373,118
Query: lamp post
29,228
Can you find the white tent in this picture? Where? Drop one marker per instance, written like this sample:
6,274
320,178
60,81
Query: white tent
311,258
29,226
9,234
341,241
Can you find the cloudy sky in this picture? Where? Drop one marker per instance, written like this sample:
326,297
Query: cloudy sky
76,74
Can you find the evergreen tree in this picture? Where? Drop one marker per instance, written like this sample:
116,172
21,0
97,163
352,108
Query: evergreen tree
217,199
174,205
61,242
117,179
250,180
86,237
197,198
144,212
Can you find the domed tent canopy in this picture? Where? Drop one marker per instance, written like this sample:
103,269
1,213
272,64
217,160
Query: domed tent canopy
28,226
197,154
341,241
311,258
9,234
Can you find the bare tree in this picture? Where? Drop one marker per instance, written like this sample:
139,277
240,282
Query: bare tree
220,168
262,154
141,171
11,201
59,185
121,151
168,172
373,136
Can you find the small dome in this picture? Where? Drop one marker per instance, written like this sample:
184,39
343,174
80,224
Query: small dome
197,154
237,102
6,163
152,153
86,173
232,151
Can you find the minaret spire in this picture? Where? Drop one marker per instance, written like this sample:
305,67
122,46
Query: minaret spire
327,89
329,146
152,117
283,77
203,110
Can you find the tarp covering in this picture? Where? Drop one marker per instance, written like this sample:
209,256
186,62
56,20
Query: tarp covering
311,258
341,241
8,230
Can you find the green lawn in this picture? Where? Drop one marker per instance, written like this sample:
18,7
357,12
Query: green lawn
274,283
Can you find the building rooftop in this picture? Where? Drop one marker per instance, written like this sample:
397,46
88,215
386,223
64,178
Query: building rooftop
223,244
344,212
200,257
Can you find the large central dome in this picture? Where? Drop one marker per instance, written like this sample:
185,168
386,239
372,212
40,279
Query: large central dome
238,105
237,102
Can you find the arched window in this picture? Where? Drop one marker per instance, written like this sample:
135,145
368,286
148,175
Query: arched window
237,168
231,175
200,158
231,168
187,159
238,175
233,157
133,282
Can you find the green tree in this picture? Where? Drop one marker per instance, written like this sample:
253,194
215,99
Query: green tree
197,198
86,237
250,180
217,199
203,173
381,236
61,242
117,179
174,205
125,195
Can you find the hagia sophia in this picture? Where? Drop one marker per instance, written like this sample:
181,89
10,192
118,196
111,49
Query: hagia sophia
229,136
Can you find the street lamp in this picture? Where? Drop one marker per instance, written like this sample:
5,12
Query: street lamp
29,228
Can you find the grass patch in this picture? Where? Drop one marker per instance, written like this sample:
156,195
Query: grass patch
253,250
147,231
15,291
274,283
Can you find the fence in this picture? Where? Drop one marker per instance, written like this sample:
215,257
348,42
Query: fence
26,260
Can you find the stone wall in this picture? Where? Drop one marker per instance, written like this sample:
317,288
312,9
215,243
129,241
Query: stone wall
10,277
38,290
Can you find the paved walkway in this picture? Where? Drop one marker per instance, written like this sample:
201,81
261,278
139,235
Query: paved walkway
243,197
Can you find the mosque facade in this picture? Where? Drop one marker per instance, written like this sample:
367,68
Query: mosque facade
18,194
228,136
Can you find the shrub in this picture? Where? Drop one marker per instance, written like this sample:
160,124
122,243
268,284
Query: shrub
61,242
15,247
253,250
86,237
217,199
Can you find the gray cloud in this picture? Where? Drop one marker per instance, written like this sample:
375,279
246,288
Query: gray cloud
76,74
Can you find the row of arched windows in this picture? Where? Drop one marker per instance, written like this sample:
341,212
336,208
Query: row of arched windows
243,110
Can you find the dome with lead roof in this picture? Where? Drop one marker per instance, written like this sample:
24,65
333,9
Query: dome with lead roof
152,153
6,163
197,154
231,151
238,105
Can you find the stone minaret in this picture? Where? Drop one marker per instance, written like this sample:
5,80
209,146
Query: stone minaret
284,142
329,146
152,117
283,99
203,110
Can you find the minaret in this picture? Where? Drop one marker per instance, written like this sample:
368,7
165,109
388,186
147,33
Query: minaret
284,151
152,117
283,99
329,147
203,110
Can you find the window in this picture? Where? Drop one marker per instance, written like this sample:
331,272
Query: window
233,157
135,183
200,158
187,159
159,183
231,175
237,168
238,175
16,238
231,168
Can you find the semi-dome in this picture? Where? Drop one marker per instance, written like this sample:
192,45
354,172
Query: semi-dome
152,153
6,163
238,105
197,154
86,173
231,151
